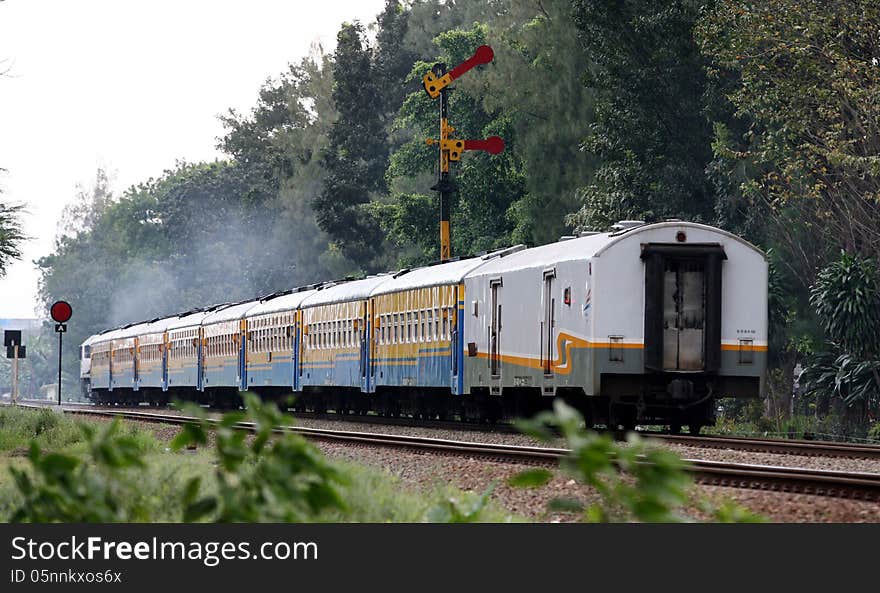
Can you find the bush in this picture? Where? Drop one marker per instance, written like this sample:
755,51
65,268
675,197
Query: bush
640,481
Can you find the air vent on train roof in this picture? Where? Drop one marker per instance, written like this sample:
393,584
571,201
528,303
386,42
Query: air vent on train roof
504,252
587,233
567,237
627,224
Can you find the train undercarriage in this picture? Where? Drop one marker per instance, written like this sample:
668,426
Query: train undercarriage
674,408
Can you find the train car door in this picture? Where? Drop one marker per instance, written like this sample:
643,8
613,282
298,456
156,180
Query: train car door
495,326
163,347
548,324
684,314
198,342
683,307
241,342
363,332
455,343
135,365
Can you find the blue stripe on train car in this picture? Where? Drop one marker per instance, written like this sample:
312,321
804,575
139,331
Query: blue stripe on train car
99,380
278,373
432,367
122,380
343,371
187,376
224,374
153,377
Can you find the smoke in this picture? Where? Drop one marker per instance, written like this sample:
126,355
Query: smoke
221,256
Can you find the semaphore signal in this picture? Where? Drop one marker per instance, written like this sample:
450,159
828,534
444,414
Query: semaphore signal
436,83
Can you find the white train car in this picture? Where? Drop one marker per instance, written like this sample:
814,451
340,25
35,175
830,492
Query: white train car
645,324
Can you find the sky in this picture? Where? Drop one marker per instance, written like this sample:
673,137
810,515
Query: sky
132,87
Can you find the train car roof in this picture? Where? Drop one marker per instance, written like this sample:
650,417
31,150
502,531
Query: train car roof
285,302
229,313
158,325
353,290
132,330
582,248
91,339
545,255
106,336
437,275
187,320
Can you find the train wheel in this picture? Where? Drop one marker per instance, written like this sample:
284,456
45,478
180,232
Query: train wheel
675,428
695,428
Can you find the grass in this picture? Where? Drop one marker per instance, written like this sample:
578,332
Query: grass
153,492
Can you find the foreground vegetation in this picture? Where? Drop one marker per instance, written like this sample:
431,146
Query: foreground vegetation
79,471
56,468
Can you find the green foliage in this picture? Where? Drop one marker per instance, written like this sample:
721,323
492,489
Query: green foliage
846,298
261,479
19,428
639,481
874,433
65,487
802,76
454,509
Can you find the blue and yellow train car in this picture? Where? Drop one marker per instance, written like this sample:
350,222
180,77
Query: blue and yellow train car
223,333
272,345
151,352
100,366
417,318
184,344
123,350
334,340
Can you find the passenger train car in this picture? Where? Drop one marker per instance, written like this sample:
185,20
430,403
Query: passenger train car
648,323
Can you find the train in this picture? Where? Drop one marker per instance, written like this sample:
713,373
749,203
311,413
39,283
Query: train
646,324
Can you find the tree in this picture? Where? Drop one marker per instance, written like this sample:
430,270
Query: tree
356,155
11,235
804,76
537,80
650,135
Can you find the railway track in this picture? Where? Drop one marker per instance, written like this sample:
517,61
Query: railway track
853,485
778,446
785,446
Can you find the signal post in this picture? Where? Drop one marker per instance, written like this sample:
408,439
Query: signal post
436,83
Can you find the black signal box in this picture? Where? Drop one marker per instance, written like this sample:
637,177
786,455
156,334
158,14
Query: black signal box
10,352
11,337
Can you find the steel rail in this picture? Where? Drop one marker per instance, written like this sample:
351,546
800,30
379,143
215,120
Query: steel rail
791,447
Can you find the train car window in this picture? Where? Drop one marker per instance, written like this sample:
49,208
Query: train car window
436,323
409,327
395,329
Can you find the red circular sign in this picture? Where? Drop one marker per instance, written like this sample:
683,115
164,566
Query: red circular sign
61,311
